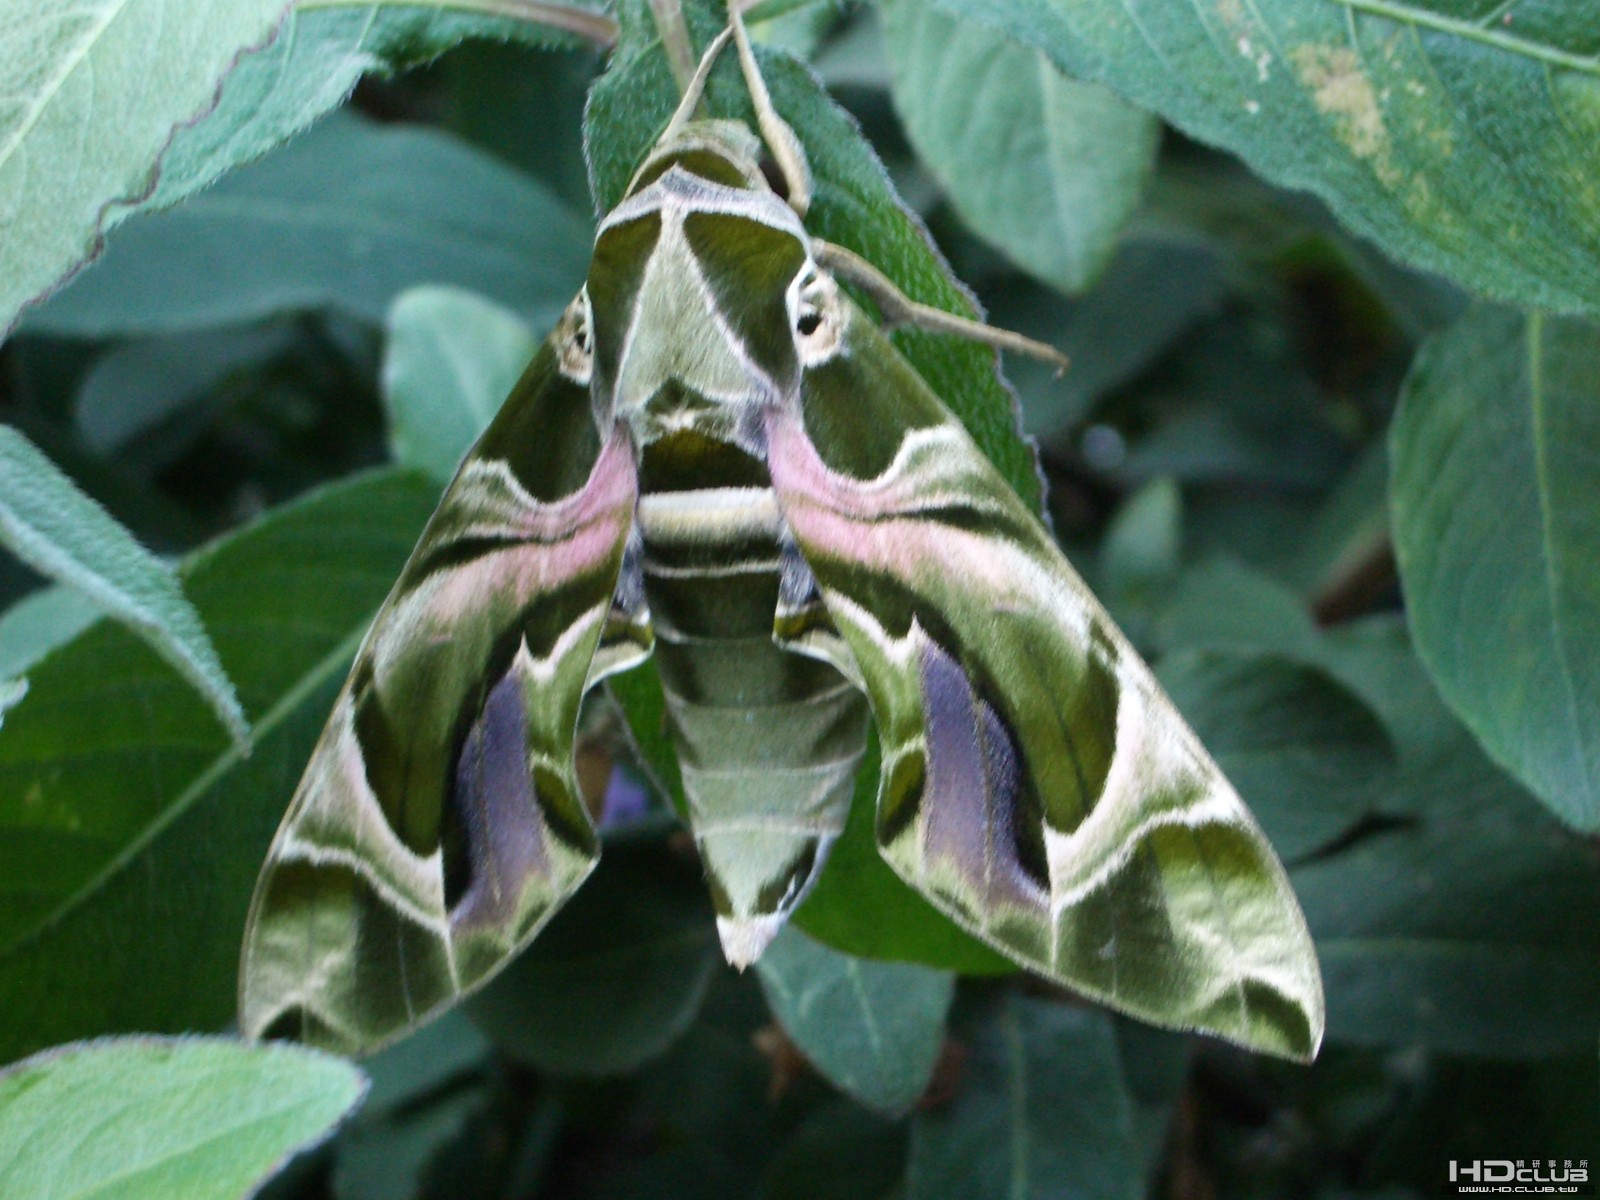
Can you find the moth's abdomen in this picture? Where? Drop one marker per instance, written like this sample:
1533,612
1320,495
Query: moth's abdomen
769,740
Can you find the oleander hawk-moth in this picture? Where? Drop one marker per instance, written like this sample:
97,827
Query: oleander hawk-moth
719,459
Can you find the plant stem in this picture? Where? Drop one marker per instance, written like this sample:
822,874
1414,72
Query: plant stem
675,40
595,28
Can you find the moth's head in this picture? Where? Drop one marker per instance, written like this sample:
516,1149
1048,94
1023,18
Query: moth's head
707,302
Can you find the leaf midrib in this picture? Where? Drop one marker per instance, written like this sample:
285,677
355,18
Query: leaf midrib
1472,31
230,758
1547,515
68,66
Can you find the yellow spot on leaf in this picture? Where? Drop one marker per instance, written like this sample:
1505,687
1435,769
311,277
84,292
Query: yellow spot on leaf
1343,93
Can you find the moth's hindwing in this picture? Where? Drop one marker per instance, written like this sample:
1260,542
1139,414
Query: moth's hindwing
439,824
1037,784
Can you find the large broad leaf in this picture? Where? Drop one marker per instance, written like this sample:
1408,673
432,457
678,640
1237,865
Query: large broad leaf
859,904
450,362
424,1091
1462,138
146,383
48,523
93,93
1042,166
154,1118
1496,501
41,621
322,223
1043,1113
1468,925
1308,756
324,47
169,103
874,1029
618,975
131,830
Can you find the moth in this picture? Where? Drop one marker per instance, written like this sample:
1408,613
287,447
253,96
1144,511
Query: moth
718,459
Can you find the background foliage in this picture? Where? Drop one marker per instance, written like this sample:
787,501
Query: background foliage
1329,450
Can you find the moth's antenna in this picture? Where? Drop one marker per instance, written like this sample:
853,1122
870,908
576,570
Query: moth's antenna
775,131
899,309
696,86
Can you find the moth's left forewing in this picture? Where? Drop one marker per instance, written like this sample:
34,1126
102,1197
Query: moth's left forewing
1037,784
438,824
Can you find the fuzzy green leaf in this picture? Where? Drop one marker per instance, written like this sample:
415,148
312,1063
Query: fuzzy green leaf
1496,502
93,94
873,1028
131,831
155,1118
322,224
1463,923
1043,167
1043,1113
1309,758
1461,138
51,525
618,975
450,362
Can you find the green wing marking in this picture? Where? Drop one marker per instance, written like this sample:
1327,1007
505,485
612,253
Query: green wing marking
1037,784
439,824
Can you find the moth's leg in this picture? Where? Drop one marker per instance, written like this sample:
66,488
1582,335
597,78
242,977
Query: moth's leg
900,309
697,85
781,140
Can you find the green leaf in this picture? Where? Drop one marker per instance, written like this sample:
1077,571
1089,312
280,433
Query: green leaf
41,621
11,693
1308,756
1496,502
706,1108
1043,1112
874,1029
617,976
321,223
1465,144
131,831
161,1118
52,526
324,48
1153,291
388,1158
451,360
1225,605
1140,554
1350,529
433,1058
94,93
1044,167
1468,926
140,385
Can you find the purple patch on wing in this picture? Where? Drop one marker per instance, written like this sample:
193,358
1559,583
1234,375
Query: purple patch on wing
626,800
498,820
973,787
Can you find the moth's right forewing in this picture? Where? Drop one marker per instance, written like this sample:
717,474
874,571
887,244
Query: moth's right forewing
439,824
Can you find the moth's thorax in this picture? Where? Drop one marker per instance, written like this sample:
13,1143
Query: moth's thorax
695,290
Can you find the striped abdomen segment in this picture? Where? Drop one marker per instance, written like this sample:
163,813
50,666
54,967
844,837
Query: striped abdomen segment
769,740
